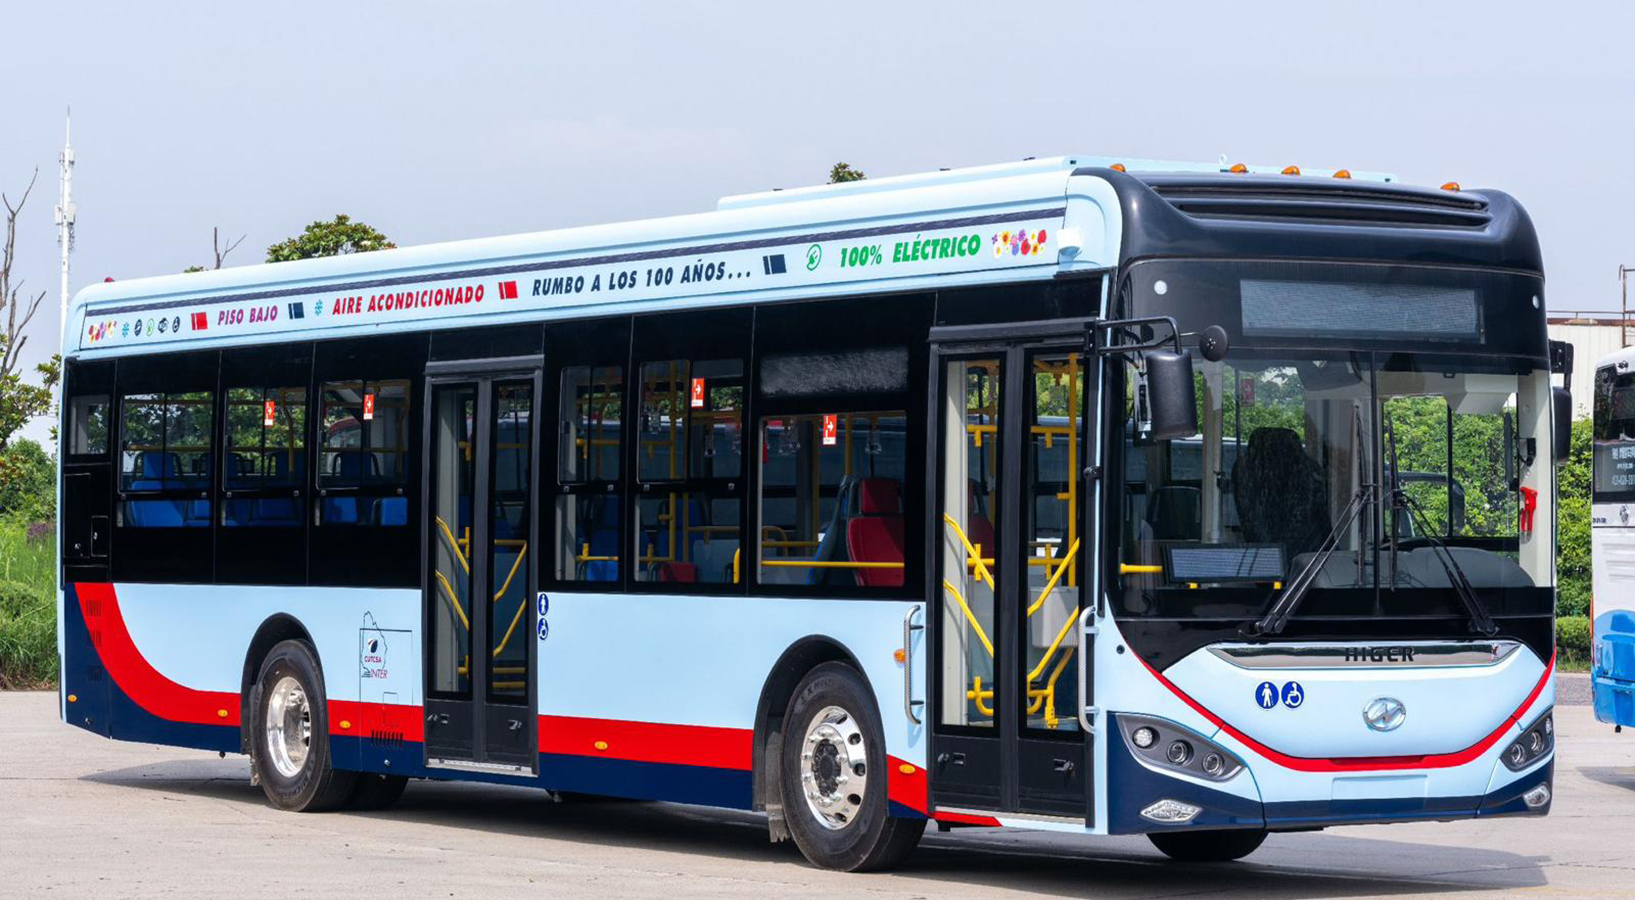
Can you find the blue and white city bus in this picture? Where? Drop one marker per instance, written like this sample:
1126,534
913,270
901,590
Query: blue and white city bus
1109,499
1612,540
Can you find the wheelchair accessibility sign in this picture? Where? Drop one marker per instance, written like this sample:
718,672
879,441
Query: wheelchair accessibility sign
1269,695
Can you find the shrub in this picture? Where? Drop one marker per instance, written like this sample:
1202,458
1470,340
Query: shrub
1573,638
28,635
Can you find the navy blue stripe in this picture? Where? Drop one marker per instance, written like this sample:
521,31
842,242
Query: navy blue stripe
608,259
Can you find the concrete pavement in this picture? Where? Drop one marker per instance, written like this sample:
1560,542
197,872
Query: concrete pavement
81,816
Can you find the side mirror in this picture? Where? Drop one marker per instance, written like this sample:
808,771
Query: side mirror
1561,420
1213,343
1171,398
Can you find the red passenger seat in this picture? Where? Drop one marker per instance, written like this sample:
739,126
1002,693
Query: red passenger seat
680,572
875,534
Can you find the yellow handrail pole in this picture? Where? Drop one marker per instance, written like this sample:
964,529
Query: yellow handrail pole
1055,577
516,564
1051,720
969,616
829,564
448,593
977,694
1134,569
970,551
736,554
1060,636
454,544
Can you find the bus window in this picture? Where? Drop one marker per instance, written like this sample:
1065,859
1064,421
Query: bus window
1053,553
689,460
265,450
588,469
1613,455
88,425
362,471
831,499
165,453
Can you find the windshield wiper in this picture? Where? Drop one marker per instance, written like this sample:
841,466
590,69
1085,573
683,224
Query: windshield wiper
1366,496
1480,619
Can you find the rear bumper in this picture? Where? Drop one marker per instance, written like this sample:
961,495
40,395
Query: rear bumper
1614,699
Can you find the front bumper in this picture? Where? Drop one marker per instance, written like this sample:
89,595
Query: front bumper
1348,799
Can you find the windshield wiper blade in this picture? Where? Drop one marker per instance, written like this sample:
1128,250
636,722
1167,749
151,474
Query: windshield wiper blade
1277,618
1480,618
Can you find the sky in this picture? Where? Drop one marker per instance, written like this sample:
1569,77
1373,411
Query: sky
439,121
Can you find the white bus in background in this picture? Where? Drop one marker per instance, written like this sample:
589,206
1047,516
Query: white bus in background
1612,545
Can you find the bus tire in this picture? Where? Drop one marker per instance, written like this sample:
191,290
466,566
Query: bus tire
1207,846
833,776
290,729
372,791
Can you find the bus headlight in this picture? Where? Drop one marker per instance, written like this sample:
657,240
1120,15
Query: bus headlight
1536,741
1169,746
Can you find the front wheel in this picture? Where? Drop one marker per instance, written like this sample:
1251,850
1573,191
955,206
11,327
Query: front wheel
1207,846
290,730
834,776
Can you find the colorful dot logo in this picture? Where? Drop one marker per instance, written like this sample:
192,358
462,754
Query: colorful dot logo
1020,242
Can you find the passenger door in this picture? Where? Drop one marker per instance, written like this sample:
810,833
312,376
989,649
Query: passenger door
1010,545
480,583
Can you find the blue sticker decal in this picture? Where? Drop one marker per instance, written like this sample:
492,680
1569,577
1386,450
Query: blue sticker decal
1293,695
1266,695
544,604
544,629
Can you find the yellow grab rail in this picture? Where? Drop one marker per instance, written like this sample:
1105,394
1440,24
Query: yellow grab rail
969,616
1054,578
1132,569
454,543
973,554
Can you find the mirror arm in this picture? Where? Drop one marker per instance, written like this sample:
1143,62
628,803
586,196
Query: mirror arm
1105,333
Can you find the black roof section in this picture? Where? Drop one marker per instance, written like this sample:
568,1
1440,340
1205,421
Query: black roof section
1186,214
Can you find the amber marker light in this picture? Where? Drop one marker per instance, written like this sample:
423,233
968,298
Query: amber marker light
1343,173
906,769
1118,167
1451,186
1291,170
1239,169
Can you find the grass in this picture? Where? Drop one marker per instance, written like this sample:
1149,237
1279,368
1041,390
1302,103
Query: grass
28,612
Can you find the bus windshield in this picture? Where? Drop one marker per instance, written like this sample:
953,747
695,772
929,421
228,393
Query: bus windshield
1613,458
1297,446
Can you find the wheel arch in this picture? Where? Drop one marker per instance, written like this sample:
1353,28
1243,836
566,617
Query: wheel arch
276,629
798,659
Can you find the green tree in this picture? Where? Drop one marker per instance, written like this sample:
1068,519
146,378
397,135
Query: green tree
841,173
27,482
1573,524
332,238
19,400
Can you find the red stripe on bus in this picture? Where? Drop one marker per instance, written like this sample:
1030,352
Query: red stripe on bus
139,680
1366,763
906,784
955,818
655,742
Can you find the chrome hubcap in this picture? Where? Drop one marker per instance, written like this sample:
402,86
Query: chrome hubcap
834,767
289,727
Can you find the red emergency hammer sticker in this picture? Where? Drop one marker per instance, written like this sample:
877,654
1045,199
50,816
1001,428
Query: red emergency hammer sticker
1529,503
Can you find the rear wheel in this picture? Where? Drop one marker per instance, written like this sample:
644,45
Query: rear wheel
834,776
1207,846
290,729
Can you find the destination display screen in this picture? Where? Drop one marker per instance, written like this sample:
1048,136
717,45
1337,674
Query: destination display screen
1360,309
